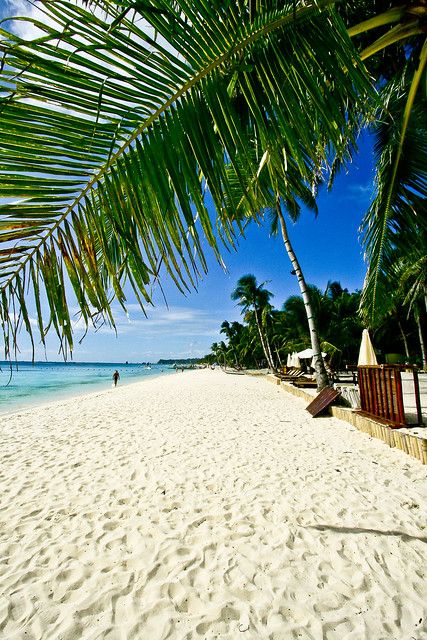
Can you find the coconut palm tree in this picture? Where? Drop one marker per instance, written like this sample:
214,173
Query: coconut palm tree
252,297
219,350
266,191
250,347
401,183
322,377
233,332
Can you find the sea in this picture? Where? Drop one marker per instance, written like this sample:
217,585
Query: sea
27,384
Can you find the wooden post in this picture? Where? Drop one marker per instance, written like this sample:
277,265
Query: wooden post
399,396
417,395
389,393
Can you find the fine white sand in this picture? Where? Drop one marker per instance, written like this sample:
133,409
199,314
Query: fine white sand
206,506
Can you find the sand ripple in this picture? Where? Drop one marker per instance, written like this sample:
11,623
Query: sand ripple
204,506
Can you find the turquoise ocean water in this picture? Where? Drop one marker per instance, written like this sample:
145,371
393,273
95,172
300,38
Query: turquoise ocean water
42,382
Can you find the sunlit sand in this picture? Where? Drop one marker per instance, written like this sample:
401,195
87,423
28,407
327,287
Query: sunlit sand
204,505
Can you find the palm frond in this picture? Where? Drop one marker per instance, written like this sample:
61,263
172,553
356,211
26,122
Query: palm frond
414,279
401,178
112,127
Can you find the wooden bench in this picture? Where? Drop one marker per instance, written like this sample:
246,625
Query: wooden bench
304,382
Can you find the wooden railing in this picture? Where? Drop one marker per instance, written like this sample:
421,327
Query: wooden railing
381,392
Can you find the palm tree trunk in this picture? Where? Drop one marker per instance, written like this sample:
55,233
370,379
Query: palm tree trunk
319,366
405,341
421,338
263,342
270,353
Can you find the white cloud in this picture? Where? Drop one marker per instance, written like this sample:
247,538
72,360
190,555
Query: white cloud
22,8
176,321
362,190
124,66
180,333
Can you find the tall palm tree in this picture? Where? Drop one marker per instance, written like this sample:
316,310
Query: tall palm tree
402,184
267,319
219,350
253,297
233,334
322,377
266,191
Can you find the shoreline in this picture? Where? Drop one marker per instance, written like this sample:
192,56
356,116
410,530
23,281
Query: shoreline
43,401
204,506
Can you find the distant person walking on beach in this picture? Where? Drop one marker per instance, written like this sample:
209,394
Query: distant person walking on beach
116,377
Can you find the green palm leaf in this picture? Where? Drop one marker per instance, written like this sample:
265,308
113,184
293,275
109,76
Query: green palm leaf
401,181
113,128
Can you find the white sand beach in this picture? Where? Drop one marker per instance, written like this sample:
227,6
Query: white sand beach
206,506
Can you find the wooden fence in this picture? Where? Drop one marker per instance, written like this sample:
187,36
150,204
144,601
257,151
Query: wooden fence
381,393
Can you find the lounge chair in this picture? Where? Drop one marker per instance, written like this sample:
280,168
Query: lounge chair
303,381
291,375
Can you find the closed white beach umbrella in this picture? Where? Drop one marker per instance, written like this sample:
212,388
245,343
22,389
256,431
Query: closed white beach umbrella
366,352
289,360
296,362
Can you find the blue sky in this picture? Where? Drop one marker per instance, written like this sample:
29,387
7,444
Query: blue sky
328,248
